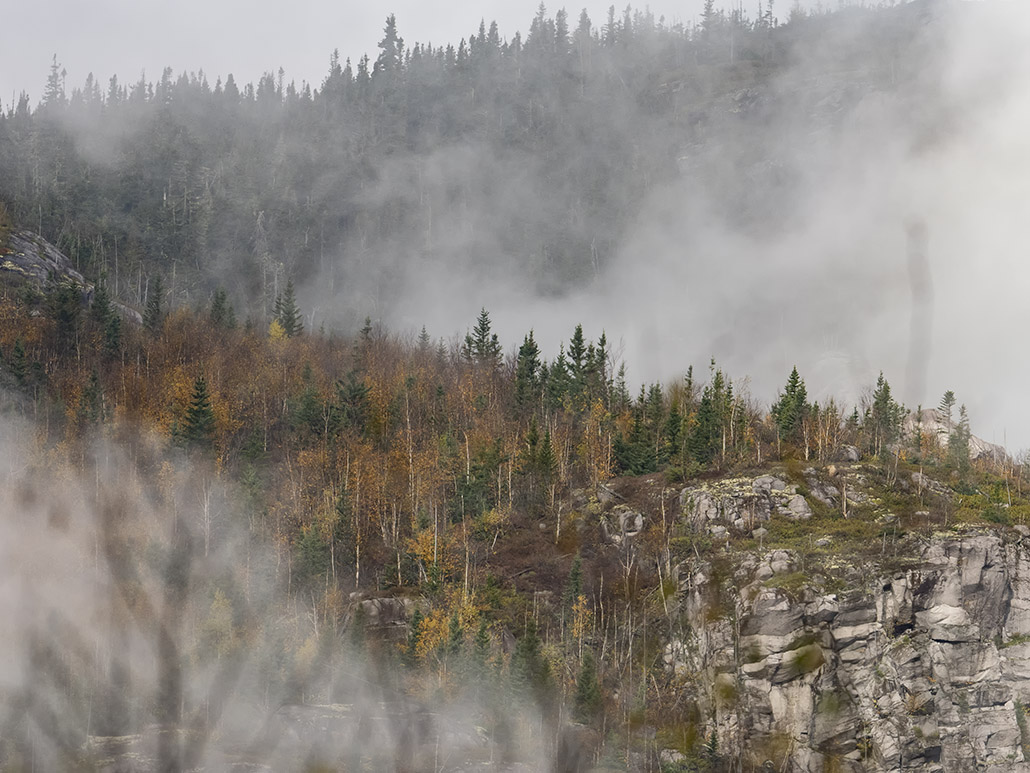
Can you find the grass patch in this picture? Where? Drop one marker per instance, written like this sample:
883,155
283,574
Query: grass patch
793,583
1024,732
808,658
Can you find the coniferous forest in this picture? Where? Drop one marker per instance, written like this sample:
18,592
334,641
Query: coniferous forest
496,157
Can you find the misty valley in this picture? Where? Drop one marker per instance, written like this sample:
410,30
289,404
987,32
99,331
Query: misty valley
616,395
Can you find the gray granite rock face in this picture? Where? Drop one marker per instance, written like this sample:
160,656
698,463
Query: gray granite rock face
921,669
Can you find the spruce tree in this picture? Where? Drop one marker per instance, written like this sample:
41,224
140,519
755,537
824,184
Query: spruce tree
588,701
481,647
19,362
527,373
701,442
153,314
288,314
199,425
100,310
945,408
113,336
482,346
574,585
885,417
455,636
791,408
577,357
529,668
222,314
91,402
958,442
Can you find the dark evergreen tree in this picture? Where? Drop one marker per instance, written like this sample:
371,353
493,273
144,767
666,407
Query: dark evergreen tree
481,346
313,558
91,402
415,634
527,373
588,702
221,313
153,316
577,359
530,671
100,309
958,443
113,336
886,418
790,409
19,362
198,428
703,440
455,637
424,341
64,305
946,408
391,49
288,313
574,585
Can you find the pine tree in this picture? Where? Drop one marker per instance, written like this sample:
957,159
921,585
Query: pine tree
414,638
527,373
391,49
19,362
958,442
947,405
588,701
574,585
64,306
547,463
885,417
481,346
791,408
221,313
288,314
100,310
529,668
113,336
455,636
704,434
199,426
577,357
481,646
91,403
153,315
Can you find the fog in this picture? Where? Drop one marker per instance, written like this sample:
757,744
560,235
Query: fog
817,273
147,628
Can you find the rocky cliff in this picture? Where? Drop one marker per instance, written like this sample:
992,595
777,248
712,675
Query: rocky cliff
27,259
923,665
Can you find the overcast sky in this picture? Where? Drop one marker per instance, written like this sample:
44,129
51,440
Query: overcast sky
123,37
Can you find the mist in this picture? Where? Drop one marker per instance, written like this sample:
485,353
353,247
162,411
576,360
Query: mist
784,237
147,624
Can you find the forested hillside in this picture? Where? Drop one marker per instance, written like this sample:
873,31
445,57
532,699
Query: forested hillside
501,156
303,508
247,523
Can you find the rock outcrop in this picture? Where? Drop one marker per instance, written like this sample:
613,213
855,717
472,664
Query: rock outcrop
29,259
741,504
934,424
923,668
